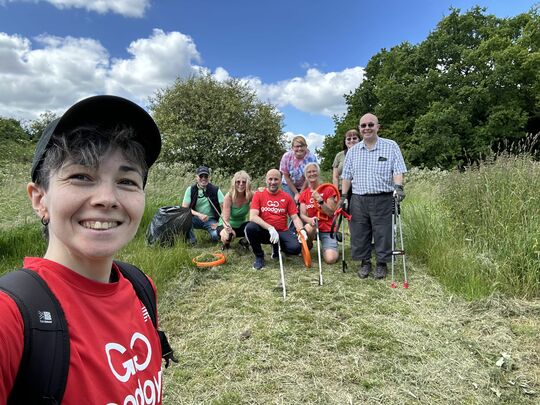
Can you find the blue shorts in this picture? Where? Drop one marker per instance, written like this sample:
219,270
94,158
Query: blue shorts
327,242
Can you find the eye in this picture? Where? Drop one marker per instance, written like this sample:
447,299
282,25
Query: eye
79,177
129,183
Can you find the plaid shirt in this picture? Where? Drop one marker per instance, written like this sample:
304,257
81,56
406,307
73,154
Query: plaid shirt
372,171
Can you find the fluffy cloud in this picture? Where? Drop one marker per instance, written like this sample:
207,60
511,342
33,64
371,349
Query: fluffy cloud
316,92
127,8
61,71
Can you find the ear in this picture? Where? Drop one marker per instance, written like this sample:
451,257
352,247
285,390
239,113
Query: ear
37,197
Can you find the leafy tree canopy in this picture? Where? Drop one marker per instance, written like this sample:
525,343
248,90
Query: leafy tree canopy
473,83
14,143
218,124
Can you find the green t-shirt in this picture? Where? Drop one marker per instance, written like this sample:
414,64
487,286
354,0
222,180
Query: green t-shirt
203,203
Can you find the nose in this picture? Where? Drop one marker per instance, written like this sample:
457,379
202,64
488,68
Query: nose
105,195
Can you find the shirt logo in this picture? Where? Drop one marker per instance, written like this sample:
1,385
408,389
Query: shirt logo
123,369
45,317
145,314
272,203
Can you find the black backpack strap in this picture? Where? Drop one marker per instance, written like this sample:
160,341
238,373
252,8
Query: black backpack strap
145,292
42,376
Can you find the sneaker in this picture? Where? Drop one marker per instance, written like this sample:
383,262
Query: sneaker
365,269
380,271
259,263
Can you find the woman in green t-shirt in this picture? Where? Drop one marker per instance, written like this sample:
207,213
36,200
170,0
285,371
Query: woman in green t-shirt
236,209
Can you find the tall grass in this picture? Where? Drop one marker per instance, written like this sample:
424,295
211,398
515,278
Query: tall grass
479,230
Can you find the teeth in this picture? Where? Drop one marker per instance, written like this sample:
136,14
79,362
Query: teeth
99,224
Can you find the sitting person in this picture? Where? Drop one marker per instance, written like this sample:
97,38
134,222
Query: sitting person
205,201
268,220
235,209
325,213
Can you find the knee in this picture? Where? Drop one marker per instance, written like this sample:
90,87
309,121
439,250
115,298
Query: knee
330,256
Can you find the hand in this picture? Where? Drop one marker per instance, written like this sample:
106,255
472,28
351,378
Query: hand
313,221
296,198
274,235
203,217
343,203
399,192
303,233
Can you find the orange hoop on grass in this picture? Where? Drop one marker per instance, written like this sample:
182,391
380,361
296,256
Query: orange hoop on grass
220,259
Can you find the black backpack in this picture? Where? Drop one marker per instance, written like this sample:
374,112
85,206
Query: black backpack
42,376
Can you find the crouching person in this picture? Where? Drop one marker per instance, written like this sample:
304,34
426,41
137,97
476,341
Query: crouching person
268,220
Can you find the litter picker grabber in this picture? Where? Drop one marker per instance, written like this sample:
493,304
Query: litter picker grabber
319,250
282,271
338,217
398,250
227,244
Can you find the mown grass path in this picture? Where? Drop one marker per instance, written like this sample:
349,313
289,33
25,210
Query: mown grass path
348,341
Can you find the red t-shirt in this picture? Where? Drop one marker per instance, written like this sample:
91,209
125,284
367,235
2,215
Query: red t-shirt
274,208
325,222
115,352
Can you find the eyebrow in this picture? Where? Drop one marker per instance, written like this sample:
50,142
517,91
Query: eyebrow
127,169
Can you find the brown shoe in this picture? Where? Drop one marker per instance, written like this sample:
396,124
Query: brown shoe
380,271
365,269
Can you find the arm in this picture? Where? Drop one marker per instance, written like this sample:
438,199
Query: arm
303,214
345,186
187,202
398,179
254,217
291,185
298,224
226,211
335,177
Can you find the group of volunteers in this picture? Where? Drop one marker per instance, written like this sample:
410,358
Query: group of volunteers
367,173
87,186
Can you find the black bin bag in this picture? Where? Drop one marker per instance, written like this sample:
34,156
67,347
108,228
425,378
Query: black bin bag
169,224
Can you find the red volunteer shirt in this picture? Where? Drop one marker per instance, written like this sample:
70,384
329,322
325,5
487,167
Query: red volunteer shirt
274,208
115,350
325,222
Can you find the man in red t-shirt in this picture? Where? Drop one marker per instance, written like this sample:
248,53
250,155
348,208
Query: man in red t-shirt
268,220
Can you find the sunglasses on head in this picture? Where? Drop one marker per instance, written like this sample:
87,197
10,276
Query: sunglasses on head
369,125
352,138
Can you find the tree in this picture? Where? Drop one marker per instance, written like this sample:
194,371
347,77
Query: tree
218,124
14,143
471,85
35,127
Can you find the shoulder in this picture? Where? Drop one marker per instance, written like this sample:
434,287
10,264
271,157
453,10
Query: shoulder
388,142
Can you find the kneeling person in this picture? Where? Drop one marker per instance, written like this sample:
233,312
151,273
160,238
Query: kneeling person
268,220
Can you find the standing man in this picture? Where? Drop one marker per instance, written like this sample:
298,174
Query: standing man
375,168
268,220
205,201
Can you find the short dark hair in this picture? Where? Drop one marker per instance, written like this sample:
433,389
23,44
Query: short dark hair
86,146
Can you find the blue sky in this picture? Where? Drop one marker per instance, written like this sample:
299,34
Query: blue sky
301,55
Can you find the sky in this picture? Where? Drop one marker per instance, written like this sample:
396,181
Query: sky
300,55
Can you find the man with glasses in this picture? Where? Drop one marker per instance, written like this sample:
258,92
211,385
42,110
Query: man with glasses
375,168
205,201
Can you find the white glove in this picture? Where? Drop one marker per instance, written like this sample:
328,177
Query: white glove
274,235
303,233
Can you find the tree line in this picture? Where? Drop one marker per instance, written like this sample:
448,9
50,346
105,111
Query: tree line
471,86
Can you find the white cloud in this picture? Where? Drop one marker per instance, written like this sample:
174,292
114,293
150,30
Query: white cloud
157,61
127,8
64,70
316,92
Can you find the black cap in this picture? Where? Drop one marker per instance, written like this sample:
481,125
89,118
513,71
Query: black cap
202,170
105,112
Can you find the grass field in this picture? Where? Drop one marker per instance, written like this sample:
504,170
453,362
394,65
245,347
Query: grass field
465,332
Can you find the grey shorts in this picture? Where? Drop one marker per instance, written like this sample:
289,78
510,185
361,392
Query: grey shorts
327,242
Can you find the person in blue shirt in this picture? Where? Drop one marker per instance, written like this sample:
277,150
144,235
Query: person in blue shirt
374,167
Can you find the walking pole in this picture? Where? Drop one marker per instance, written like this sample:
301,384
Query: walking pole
282,272
397,250
343,262
319,250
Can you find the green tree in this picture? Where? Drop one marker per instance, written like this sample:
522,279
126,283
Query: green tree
218,124
35,127
471,85
14,143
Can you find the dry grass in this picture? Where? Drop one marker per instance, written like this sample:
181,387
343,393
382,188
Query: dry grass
349,341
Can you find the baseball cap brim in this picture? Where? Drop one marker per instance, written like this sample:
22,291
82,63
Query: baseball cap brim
103,112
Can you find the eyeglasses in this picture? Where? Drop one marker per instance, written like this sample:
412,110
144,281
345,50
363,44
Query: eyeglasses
353,138
240,182
369,124
203,176
299,146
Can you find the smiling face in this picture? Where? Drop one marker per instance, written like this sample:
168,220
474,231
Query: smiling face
92,212
369,127
203,179
312,173
240,184
273,180
352,137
